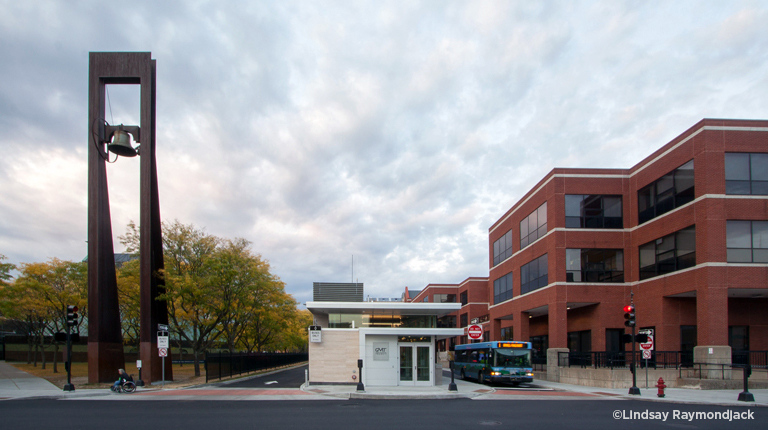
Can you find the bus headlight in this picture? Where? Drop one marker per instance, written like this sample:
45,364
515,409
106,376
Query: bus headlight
530,374
495,373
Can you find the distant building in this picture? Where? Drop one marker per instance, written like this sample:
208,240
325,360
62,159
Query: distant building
120,258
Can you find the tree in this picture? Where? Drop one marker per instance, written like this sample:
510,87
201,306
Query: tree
218,292
194,304
49,288
5,271
128,282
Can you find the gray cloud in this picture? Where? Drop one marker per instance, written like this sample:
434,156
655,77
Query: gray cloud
394,131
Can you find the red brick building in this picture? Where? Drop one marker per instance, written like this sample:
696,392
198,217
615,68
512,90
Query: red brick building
472,293
685,231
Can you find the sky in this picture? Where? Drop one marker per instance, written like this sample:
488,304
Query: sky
388,133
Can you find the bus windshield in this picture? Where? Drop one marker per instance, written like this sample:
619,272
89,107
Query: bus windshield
510,357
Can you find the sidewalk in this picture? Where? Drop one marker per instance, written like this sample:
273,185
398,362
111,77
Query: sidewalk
465,389
17,384
672,395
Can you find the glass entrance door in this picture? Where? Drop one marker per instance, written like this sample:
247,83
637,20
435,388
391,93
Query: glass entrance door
415,364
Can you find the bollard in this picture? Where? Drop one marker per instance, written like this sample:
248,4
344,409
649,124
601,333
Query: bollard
660,385
452,385
746,396
360,386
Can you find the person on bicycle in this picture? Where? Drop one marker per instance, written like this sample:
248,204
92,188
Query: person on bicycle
121,379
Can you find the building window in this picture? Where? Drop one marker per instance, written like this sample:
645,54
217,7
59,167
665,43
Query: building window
533,226
502,248
746,173
444,298
464,319
463,298
747,241
613,340
539,344
448,321
533,275
426,299
671,191
738,337
506,333
594,265
668,254
593,211
502,288
580,341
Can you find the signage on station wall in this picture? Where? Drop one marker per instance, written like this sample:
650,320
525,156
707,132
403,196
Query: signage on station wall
380,351
315,333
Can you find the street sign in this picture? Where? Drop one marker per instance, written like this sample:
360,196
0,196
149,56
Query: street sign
162,327
475,332
162,342
138,364
162,352
647,346
315,336
646,356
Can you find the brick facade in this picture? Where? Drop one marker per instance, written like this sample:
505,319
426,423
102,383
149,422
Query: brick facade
711,295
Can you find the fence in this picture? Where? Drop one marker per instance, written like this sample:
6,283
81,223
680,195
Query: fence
623,359
224,365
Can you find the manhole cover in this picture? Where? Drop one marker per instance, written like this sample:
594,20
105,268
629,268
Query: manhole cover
490,423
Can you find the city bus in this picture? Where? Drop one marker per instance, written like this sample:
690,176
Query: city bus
501,361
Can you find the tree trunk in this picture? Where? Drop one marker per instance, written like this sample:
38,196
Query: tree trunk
197,361
55,357
42,348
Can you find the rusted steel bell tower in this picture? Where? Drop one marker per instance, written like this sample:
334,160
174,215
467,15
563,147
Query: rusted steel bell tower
105,141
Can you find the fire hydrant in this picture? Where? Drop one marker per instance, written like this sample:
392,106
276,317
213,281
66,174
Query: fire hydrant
660,385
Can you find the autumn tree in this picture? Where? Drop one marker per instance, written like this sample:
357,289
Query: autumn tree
219,292
44,290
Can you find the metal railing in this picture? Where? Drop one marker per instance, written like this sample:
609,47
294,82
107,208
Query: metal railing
719,370
753,358
623,359
225,364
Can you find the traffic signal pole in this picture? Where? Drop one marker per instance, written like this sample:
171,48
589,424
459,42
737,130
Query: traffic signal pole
629,316
70,322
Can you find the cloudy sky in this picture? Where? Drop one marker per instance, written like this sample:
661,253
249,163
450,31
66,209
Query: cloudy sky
394,131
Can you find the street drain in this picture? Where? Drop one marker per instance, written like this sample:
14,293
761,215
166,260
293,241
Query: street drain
490,423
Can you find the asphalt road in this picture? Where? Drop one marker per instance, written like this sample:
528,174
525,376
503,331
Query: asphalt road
363,414
290,378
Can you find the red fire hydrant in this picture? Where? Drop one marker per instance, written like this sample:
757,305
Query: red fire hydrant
660,385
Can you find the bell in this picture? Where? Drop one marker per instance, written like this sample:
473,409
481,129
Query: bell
121,144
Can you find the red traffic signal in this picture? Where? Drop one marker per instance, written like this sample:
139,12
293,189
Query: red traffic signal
629,315
72,315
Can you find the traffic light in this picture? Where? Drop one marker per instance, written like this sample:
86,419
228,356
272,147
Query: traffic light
72,315
629,315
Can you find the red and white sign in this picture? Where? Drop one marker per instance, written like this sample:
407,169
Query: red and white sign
162,352
475,332
647,346
646,354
